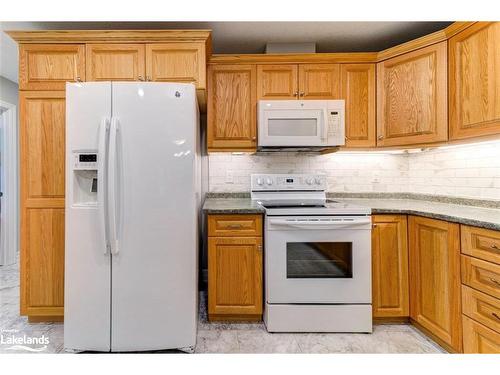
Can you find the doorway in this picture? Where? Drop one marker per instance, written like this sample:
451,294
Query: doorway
9,207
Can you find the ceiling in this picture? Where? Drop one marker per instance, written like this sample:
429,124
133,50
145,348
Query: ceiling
249,37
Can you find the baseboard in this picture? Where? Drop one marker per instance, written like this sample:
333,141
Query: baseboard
392,320
44,319
234,318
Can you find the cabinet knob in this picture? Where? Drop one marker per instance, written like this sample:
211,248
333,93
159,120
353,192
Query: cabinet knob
141,78
148,78
259,247
254,138
374,225
296,93
380,137
302,94
78,79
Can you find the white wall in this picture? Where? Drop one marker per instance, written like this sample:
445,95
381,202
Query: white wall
8,91
471,171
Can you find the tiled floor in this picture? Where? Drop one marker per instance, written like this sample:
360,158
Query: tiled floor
225,338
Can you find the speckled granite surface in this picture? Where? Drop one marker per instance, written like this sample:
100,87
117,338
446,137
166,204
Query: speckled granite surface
457,213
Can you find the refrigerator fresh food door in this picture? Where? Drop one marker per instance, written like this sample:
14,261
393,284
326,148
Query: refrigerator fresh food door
153,229
87,278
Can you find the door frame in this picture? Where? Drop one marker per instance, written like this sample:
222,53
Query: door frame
9,237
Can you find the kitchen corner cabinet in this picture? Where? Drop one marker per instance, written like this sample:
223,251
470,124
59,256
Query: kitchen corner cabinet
474,77
235,291
231,108
42,150
302,81
435,301
412,97
390,267
358,89
50,66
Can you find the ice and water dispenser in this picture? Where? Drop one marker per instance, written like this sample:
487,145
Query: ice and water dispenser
85,178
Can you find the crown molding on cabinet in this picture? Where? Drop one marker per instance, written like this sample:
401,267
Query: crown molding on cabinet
109,36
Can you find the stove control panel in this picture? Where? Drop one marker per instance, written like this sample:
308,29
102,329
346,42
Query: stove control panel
287,182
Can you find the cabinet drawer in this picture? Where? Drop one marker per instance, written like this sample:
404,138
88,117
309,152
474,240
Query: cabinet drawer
235,225
481,243
481,307
481,275
479,339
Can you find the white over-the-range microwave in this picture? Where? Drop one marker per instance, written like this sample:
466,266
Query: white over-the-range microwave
300,125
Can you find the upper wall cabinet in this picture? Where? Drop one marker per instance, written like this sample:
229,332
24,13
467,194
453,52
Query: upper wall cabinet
412,97
231,108
115,62
303,81
357,82
277,82
474,74
50,66
176,62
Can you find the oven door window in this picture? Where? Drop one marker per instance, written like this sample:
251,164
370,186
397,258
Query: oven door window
321,260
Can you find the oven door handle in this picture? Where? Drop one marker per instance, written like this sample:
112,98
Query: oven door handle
318,224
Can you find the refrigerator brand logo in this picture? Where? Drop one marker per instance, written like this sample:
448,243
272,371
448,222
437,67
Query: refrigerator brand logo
24,342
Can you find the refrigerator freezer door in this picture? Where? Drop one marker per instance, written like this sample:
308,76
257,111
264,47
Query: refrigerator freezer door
87,264
154,273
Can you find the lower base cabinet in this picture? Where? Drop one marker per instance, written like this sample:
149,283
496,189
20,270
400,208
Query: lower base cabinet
235,268
435,302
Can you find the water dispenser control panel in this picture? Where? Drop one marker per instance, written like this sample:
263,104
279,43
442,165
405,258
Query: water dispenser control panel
85,161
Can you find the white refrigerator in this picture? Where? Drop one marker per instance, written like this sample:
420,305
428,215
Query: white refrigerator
132,204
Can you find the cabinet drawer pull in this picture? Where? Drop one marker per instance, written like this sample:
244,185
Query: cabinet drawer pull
234,226
494,281
494,247
495,315
260,249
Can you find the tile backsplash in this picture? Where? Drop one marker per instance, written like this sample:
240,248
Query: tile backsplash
471,171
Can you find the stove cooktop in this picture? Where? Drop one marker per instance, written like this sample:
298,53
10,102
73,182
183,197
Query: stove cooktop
306,207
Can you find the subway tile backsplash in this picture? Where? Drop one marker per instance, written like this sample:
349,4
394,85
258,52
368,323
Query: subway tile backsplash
471,171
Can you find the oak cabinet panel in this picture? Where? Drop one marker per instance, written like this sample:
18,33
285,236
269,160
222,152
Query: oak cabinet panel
319,81
435,301
42,140
412,97
231,107
474,76
277,82
481,307
44,262
235,225
480,243
235,278
176,62
481,275
115,62
50,66
479,339
357,82
390,266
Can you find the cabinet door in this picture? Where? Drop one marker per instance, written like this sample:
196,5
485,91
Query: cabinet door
357,82
412,98
115,62
277,82
319,81
435,278
474,73
479,339
231,109
50,66
235,278
176,62
390,266
42,169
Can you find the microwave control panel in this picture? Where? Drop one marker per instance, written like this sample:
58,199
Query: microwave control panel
333,123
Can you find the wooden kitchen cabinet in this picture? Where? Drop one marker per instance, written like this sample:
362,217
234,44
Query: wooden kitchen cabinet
50,66
480,339
319,81
435,302
358,89
115,62
42,172
474,78
231,108
235,291
390,297
412,97
277,82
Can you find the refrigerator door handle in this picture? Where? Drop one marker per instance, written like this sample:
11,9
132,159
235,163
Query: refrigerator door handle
102,153
112,185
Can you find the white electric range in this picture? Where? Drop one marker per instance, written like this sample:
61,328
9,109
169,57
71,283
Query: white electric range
317,257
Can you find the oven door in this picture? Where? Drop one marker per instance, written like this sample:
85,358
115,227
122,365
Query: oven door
318,260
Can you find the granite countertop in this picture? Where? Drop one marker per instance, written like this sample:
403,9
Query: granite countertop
457,213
